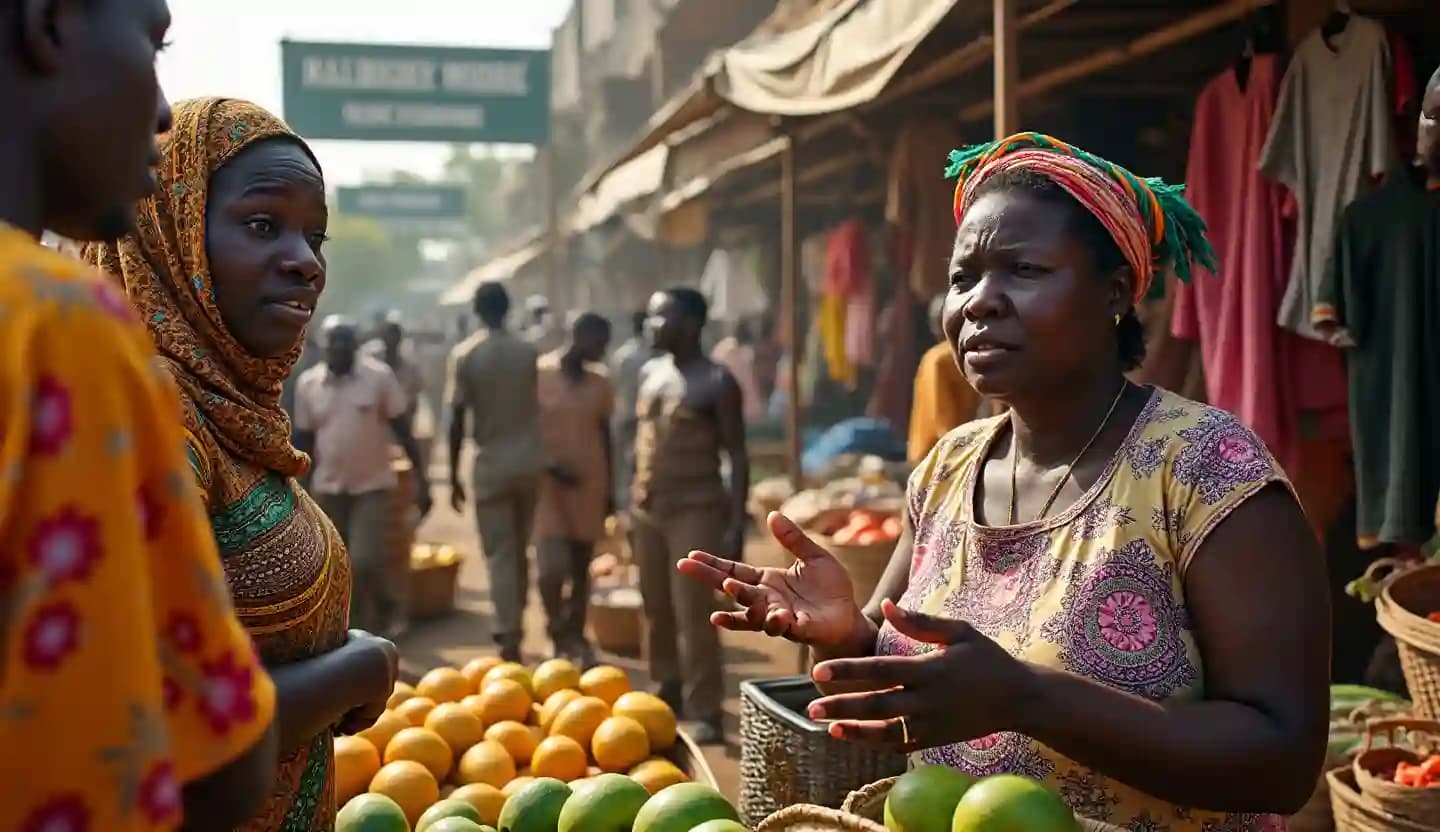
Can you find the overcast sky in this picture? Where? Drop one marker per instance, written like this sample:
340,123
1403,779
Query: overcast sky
223,49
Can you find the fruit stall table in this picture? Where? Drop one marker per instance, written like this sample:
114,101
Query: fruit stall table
500,737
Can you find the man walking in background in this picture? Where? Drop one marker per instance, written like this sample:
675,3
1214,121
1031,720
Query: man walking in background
348,409
625,366
392,347
690,412
576,401
492,391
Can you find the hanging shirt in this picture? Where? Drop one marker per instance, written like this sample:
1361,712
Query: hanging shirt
732,287
1384,289
847,275
1331,137
1252,365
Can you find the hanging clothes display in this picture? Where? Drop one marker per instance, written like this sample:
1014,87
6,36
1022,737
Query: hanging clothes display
731,285
1384,290
1331,137
918,201
847,271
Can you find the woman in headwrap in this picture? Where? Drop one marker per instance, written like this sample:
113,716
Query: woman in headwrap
1108,588
225,267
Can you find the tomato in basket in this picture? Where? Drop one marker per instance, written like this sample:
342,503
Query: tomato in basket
1426,775
1434,616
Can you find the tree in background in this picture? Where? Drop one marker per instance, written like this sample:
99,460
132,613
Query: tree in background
367,267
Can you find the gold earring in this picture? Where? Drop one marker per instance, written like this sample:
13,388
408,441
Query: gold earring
1117,320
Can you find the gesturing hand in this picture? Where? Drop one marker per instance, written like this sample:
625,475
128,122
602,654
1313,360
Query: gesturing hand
812,602
970,687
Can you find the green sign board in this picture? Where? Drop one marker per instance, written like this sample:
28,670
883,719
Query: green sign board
435,210
416,93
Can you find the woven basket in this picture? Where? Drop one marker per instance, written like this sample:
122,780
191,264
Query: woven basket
787,758
615,624
809,818
1372,764
1354,814
432,590
864,563
1407,596
869,803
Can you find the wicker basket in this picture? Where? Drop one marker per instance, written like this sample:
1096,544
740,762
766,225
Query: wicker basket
806,817
869,803
1354,814
432,590
615,619
864,563
788,759
1407,597
1371,765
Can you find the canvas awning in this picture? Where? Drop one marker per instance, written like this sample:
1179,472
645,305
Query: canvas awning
837,60
497,270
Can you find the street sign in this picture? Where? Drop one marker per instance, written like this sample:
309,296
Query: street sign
416,93
424,210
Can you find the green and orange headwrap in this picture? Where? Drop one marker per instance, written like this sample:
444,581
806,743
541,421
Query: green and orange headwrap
1155,228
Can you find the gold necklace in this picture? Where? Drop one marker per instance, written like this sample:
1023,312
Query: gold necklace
1069,469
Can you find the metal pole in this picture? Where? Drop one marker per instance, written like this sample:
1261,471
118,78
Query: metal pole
552,231
790,294
1007,70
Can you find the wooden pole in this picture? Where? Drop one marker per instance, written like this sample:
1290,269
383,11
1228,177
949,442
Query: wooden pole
552,231
790,294
1007,70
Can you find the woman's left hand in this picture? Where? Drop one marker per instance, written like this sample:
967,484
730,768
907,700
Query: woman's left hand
968,688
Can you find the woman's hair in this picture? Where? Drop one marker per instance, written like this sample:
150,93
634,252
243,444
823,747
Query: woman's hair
1129,334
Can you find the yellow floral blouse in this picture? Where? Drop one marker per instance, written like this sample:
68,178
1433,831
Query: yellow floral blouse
1096,590
123,672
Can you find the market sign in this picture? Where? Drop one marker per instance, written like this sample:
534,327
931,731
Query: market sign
424,210
417,93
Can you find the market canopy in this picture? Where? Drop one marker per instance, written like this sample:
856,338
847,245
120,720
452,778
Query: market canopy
838,58
498,270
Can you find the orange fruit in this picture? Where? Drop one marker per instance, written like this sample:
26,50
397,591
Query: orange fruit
456,725
423,746
475,670
416,709
579,719
560,757
650,711
401,692
385,728
619,744
535,710
504,699
554,675
517,739
409,784
356,762
512,671
552,706
657,773
486,799
445,684
606,682
487,761
516,785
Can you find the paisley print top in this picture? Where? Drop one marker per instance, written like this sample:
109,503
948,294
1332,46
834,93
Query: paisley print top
289,574
1095,590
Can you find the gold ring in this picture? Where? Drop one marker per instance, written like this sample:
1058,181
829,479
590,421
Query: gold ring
905,730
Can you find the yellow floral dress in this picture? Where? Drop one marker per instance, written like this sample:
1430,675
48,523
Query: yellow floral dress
123,671
1096,590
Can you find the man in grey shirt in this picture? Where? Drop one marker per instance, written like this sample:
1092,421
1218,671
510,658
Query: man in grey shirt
625,366
492,391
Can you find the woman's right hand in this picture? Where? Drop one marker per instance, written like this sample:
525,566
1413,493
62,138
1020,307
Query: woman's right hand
374,664
812,602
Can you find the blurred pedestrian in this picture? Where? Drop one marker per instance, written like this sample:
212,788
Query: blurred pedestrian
225,268
492,393
576,402
690,414
348,410
395,349
625,366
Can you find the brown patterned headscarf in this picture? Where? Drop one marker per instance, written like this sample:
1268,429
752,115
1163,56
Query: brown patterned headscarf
164,269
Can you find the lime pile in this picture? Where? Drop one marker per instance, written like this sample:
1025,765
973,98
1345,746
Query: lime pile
936,798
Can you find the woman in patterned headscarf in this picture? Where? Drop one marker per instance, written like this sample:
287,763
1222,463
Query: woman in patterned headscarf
1108,588
225,267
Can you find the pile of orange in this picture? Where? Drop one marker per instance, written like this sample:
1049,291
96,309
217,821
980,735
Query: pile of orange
480,732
